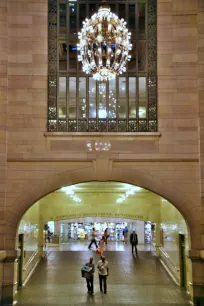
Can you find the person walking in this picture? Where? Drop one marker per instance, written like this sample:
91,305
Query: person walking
93,238
90,278
49,235
103,271
125,234
134,242
105,235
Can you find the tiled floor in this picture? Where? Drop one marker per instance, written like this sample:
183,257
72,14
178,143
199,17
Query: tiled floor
132,281
112,246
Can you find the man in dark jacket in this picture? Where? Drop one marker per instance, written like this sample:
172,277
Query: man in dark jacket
90,279
134,241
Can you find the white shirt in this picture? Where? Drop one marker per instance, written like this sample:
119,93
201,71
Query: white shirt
93,234
102,267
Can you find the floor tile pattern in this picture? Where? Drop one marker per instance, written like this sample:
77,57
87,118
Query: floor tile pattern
133,280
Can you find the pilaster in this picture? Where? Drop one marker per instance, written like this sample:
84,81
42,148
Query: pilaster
9,286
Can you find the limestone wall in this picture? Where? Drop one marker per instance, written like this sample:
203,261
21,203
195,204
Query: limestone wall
36,165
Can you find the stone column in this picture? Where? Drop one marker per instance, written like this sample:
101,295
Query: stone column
9,286
56,238
158,238
196,255
197,284
41,238
57,228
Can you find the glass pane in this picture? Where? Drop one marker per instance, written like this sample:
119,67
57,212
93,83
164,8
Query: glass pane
121,10
142,97
102,111
72,97
82,14
72,19
62,18
132,63
142,55
122,98
131,20
82,98
92,98
62,56
92,9
141,17
113,7
73,57
62,97
132,97
112,99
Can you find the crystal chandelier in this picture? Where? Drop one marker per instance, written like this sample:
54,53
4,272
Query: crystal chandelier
104,44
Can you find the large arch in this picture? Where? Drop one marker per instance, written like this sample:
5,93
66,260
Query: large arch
50,184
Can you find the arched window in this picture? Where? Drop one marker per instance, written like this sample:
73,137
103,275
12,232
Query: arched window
76,102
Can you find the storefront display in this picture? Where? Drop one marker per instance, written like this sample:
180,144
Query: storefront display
82,231
147,232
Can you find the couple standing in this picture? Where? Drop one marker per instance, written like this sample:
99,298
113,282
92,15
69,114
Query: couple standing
102,267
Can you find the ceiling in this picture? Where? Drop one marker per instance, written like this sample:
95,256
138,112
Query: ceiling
109,188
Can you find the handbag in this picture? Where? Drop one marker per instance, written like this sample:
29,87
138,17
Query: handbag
98,252
86,272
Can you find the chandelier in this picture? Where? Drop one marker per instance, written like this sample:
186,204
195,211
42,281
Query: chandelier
104,44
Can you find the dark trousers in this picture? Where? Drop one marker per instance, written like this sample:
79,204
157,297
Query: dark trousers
89,282
103,283
93,241
134,245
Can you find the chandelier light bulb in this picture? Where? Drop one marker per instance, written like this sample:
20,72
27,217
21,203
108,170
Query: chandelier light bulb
104,45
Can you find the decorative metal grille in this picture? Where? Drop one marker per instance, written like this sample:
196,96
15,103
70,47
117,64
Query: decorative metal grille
85,116
152,65
52,66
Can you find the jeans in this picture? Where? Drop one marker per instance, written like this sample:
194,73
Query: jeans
134,245
92,241
125,238
103,283
89,282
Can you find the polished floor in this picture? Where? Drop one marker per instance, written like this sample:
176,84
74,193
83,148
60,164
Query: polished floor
133,280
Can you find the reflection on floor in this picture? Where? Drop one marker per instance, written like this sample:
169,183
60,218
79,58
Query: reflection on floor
132,281
83,246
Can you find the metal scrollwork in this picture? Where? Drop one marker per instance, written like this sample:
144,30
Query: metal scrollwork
113,123
52,67
152,67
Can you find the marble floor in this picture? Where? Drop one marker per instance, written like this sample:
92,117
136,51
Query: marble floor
132,281
111,246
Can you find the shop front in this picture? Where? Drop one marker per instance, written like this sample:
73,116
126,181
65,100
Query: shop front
82,231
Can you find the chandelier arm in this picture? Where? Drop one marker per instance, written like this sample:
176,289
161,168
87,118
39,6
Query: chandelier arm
93,57
116,59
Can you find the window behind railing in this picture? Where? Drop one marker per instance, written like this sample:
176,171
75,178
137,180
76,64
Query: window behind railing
76,102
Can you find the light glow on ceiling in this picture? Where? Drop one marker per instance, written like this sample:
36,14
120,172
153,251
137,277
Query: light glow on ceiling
69,190
131,190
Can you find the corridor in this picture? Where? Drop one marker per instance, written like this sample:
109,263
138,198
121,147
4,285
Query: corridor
132,280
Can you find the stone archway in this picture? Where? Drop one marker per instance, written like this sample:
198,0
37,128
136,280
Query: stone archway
42,188
101,170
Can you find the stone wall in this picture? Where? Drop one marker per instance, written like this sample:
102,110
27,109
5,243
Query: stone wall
169,164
